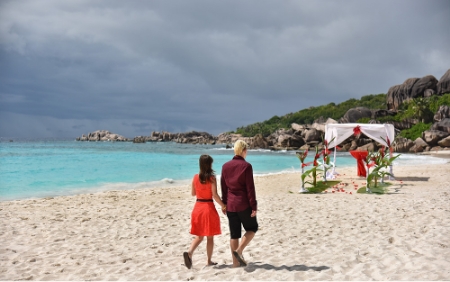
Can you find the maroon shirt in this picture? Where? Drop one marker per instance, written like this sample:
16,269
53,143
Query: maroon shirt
238,188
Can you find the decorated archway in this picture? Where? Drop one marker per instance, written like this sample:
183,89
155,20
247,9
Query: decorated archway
336,133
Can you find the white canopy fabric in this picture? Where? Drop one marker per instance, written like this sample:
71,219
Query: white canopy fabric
341,131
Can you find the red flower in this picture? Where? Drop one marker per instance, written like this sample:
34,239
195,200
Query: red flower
332,191
357,130
350,192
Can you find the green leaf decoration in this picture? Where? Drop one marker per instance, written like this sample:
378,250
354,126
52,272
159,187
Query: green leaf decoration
382,188
321,186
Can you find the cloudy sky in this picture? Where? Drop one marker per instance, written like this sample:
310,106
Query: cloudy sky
68,68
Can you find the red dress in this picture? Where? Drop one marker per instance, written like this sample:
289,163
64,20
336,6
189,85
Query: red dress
205,220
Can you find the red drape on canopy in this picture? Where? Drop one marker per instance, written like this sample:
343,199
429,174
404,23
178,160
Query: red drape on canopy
360,156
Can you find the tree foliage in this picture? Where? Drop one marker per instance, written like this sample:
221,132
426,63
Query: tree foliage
307,116
421,109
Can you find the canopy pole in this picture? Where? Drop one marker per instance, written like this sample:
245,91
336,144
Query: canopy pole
391,168
334,159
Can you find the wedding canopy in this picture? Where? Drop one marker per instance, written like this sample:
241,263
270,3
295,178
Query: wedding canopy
336,133
341,131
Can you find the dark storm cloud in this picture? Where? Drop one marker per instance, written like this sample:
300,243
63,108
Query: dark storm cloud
71,67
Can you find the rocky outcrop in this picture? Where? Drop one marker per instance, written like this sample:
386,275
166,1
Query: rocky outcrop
397,94
425,84
433,136
192,137
443,86
403,145
419,145
410,89
102,135
354,114
305,136
139,139
443,125
444,142
442,113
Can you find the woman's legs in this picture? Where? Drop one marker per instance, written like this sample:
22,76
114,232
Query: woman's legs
209,248
195,242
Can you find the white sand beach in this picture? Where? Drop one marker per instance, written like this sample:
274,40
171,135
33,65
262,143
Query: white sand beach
142,234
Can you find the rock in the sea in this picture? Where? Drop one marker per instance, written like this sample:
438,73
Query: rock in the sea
102,135
139,139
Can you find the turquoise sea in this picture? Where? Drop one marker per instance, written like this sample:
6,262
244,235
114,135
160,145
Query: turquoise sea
43,168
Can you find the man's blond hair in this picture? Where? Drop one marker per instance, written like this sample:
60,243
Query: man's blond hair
239,147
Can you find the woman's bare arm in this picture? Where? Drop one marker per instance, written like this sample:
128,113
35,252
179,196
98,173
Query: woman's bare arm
216,196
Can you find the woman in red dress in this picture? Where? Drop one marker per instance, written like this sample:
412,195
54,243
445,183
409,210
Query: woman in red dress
205,220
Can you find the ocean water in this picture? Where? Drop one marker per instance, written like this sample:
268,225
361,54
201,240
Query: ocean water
43,168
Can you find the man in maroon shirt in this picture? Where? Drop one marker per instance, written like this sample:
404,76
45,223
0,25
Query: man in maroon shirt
238,194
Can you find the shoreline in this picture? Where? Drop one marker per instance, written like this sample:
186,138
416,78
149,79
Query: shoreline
443,156
141,234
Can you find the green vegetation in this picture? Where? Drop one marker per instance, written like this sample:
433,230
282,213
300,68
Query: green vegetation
415,131
420,109
307,116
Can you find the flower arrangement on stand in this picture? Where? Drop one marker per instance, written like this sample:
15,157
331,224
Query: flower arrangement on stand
302,156
314,172
326,159
378,160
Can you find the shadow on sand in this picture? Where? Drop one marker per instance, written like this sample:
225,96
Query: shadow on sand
413,178
296,267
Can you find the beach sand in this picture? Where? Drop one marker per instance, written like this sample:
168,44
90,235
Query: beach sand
142,234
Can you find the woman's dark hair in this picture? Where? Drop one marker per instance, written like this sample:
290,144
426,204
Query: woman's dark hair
206,171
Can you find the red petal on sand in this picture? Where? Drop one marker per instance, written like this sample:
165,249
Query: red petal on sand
333,191
350,192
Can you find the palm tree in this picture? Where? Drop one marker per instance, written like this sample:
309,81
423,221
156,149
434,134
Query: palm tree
420,107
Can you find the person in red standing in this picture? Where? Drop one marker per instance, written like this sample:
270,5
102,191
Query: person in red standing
239,196
205,220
